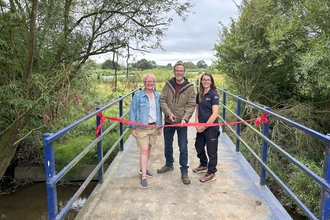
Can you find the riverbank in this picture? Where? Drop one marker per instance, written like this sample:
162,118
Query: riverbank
37,174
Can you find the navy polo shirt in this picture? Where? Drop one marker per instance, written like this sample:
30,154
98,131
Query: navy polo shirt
205,108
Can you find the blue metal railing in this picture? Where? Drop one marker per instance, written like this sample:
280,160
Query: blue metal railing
52,178
324,212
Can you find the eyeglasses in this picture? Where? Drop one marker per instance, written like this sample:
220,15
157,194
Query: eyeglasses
149,81
206,80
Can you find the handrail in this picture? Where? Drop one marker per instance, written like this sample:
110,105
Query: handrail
324,212
49,157
52,179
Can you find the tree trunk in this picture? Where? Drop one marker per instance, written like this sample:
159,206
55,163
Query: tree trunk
8,146
9,140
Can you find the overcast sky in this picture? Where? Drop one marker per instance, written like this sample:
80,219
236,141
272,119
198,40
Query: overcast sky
194,39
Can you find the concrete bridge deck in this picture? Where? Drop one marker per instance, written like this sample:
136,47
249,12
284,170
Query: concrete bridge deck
235,194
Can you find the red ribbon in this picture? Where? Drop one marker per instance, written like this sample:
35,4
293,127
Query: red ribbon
102,117
261,118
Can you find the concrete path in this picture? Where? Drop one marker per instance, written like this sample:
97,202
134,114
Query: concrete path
235,194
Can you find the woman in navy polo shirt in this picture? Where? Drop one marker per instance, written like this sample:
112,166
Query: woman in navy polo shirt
207,104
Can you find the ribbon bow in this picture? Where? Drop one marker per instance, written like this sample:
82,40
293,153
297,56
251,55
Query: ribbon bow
261,118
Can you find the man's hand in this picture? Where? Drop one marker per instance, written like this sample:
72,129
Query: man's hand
183,121
172,118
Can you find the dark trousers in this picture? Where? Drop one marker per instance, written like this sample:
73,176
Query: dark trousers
209,138
183,146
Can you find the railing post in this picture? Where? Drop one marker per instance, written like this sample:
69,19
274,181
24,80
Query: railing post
325,196
50,173
264,151
238,125
99,149
224,109
121,124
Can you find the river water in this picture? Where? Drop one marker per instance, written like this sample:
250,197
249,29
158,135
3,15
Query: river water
29,202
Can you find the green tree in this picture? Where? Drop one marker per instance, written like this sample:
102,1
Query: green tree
144,64
44,45
201,64
276,54
243,54
300,35
272,52
109,64
189,65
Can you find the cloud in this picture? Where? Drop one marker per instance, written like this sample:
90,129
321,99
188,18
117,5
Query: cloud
194,39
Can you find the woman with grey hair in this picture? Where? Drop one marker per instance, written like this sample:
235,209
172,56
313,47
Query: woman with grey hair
145,109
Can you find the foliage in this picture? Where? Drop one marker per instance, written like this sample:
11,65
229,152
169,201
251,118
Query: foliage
44,45
300,144
275,54
243,54
273,51
302,34
67,151
305,187
79,138
108,64
190,65
144,64
201,64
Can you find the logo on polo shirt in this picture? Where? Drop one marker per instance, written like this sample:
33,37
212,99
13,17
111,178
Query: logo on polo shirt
207,99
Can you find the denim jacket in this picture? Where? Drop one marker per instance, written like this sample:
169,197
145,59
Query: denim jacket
139,109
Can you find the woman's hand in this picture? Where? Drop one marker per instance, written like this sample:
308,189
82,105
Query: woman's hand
200,129
159,131
133,132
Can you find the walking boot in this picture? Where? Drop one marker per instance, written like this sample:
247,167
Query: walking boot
165,169
185,178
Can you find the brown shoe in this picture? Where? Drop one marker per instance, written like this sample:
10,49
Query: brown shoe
185,178
208,177
165,169
200,169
